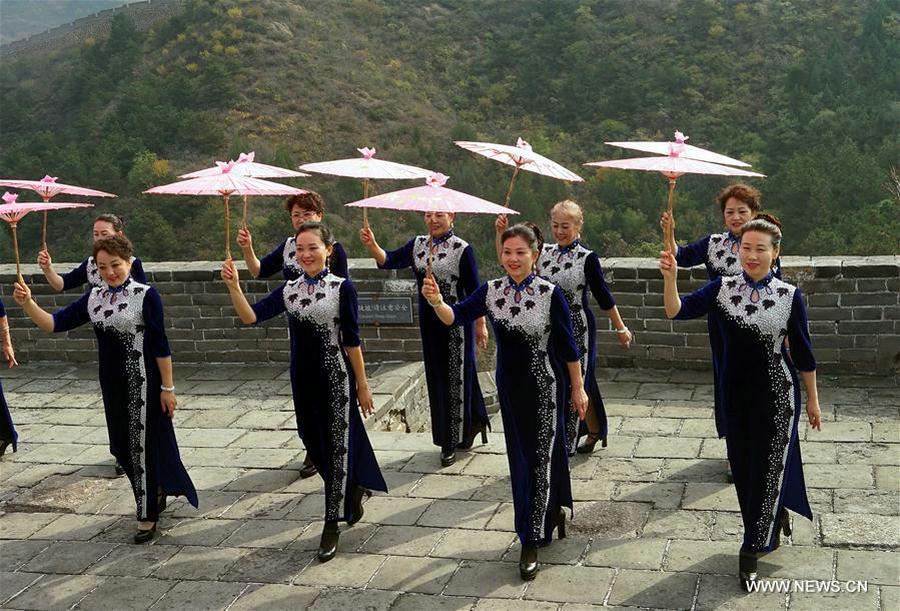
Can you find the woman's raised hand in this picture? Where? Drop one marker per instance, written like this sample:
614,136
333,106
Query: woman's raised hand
367,237
502,223
667,265
44,260
244,239
430,290
230,274
22,294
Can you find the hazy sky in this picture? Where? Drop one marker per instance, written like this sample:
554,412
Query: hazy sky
22,18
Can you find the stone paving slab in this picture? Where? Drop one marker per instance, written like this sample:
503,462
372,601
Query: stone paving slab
656,525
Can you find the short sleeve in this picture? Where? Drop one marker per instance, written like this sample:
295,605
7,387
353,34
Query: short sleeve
400,258
75,278
270,306
798,335
700,302
348,311
471,308
593,274
273,262
561,326
338,263
468,272
156,344
695,253
137,271
73,315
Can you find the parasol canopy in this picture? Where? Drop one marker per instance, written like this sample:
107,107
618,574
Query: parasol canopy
681,149
225,184
521,157
432,197
12,212
47,187
368,168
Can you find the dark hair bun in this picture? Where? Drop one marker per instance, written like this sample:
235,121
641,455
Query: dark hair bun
765,216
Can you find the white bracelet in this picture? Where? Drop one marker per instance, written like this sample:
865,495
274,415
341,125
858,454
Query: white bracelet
167,388
436,305
622,331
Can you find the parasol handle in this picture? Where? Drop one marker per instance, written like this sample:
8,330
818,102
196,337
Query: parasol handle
671,232
365,210
511,183
244,220
44,233
227,230
16,248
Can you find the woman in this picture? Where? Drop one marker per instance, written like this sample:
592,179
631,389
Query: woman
328,376
756,313
306,208
576,270
8,433
535,346
134,361
105,226
719,253
458,413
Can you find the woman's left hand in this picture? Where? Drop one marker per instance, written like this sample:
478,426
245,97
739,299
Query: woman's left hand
579,402
10,356
364,396
481,336
625,339
814,413
168,401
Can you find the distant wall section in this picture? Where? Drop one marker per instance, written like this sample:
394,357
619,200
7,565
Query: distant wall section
144,14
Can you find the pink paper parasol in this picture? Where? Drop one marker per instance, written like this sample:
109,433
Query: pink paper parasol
12,212
47,187
225,184
367,168
672,167
246,166
683,150
522,157
433,197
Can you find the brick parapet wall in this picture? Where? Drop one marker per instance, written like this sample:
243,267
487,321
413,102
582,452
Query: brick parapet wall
853,304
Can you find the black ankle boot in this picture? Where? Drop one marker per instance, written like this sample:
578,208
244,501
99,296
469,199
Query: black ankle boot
528,562
747,562
329,541
358,493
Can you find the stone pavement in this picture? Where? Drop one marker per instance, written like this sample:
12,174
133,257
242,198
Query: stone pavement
655,523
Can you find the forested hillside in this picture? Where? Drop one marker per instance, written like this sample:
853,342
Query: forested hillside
808,92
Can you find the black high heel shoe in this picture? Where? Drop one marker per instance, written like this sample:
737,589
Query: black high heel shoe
142,536
466,443
5,444
308,469
747,574
528,562
358,509
590,441
448,457
561,524
328,543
